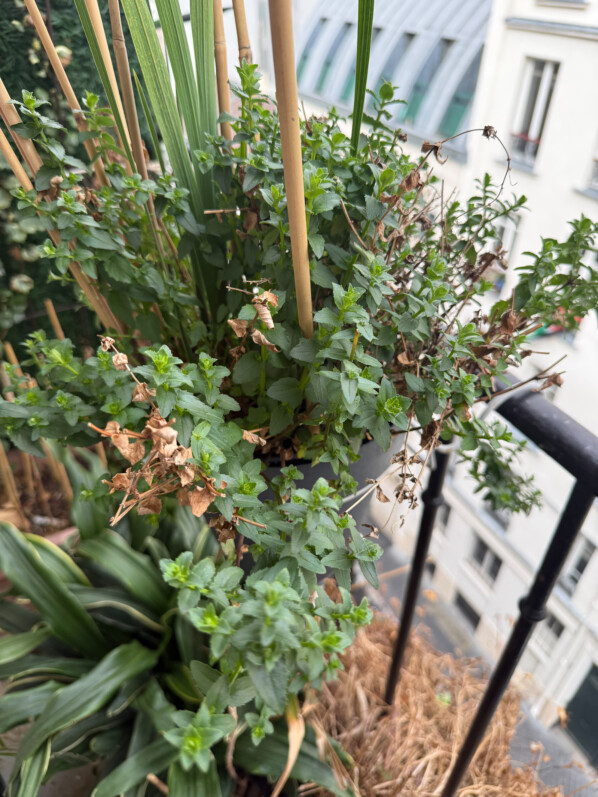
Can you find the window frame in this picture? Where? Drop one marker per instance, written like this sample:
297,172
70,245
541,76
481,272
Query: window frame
486,562
539,82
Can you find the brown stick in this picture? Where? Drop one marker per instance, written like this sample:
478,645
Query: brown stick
14,163
53,316
100,34
28,474
221,69
155,781
244,43
10,487
71,98
90,290
281,24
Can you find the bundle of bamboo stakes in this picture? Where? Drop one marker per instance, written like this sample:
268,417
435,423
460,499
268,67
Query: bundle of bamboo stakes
409,749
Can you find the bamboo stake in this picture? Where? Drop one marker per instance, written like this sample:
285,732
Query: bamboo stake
90,290
244,43
126,84
12,160
281,24
28,474
52,315
98,27
11,117
10,487
221,69
71,98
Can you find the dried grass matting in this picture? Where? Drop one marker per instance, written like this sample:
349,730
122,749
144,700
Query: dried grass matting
409,750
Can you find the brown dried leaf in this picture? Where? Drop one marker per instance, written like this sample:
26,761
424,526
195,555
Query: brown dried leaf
508,322
182,455
120,361
331,589
435,148
112,427
106,343
200,499
121,481
187,476
150,506
251,437
410,182
132,452
489,132
251,219
380,495
238,326
259,338
183,497
143,393
266,296
404,358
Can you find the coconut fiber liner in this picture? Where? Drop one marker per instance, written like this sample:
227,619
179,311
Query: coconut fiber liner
410,749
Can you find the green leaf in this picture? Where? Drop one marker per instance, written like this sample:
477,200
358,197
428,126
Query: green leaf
17,708
134,570
155,758
18,645
286,390
414,383
57,606
193,783
271,685
365,21
107,598
32,772
58,560
326,201
87,695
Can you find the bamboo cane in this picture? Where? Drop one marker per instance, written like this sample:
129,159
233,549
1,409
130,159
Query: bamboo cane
65,85
126,85
12,160
10,488
53,316
243,41
221,69
281,25
100,34
90,290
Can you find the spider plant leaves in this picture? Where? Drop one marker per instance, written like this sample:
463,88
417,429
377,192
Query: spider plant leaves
18,707
15,646
161,96
87,695
57,560
365,21
106,598
56,604
40,667
134,570
29,778
194,783
202,30
155,757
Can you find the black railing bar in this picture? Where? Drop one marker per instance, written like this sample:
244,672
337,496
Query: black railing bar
569,443
432,500
532,609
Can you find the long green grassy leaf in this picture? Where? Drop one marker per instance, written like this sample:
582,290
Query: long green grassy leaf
87,695
202,30
57,606
193,783
18,645
135,571
14,619
102,72
57,560
365,23
157,81
156,757
17,708
31,774
150,122
33,666
107,598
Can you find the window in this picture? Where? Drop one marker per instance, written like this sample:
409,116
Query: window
485,561
409,112
461,100
547,633
311,42
531,117
500,516
329,60
467,610
576,566
394,59
349,86
443,516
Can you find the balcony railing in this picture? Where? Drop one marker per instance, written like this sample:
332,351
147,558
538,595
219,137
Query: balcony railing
575,449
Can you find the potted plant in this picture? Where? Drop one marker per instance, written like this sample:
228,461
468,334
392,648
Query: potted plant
208,372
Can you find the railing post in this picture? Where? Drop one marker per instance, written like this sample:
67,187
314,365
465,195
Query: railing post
532,609
432,501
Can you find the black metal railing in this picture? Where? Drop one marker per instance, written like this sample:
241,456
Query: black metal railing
575,449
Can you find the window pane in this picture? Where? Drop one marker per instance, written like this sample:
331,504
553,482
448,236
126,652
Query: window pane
410,111
494,566
467,610
461,100
313,38
480,550
394,59
336,45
